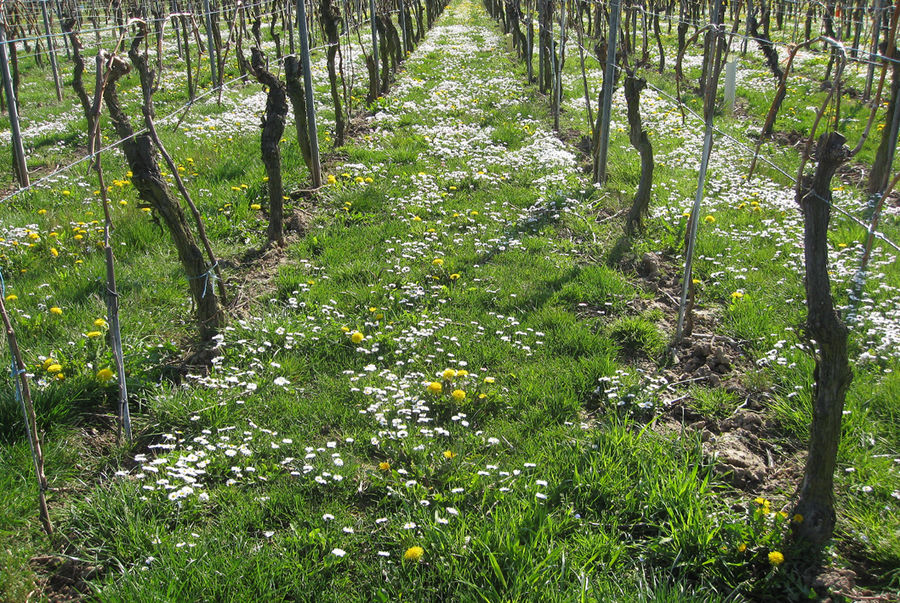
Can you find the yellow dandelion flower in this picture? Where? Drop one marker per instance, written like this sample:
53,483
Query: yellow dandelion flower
742,547
105,374
709,219
54,368
93,334
435,387
331,179
489,379
12,297
449,454
448,374
414,553
99,322
255,206
384,466
437,262
56,310
357,337
458,395
41,212
798,518
776,558
454,276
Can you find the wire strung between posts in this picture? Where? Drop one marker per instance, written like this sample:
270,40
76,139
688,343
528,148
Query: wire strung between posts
113,145
874,58
183,107
793,180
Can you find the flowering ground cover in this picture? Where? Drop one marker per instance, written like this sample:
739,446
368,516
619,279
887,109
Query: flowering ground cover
451,385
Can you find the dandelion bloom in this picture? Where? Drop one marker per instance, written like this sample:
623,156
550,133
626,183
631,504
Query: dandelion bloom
12,297
798,518
448,374
105,374
458,395
414,553
384,466
454,276
357,337
54,368
437,262
56,310
93,334
435,387
489,379
255,206
331,179
709,219
99,323
742,547
449,454
776,558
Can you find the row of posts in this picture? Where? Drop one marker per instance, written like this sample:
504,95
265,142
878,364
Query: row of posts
21,167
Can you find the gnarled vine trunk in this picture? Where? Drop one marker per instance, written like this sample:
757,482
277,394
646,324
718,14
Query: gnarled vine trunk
272,129
832,375
153,190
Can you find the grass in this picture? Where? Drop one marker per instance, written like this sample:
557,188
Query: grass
471,256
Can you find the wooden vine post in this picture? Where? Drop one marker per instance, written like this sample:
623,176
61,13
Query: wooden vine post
815,516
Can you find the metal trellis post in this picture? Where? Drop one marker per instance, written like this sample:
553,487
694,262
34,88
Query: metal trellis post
609,76
308,88
209,42
51,50
18,148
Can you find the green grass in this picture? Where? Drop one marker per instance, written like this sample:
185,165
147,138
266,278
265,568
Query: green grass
547,468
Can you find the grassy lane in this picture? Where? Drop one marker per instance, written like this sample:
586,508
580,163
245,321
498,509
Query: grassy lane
419,379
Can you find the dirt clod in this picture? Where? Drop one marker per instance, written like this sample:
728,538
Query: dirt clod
63,579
